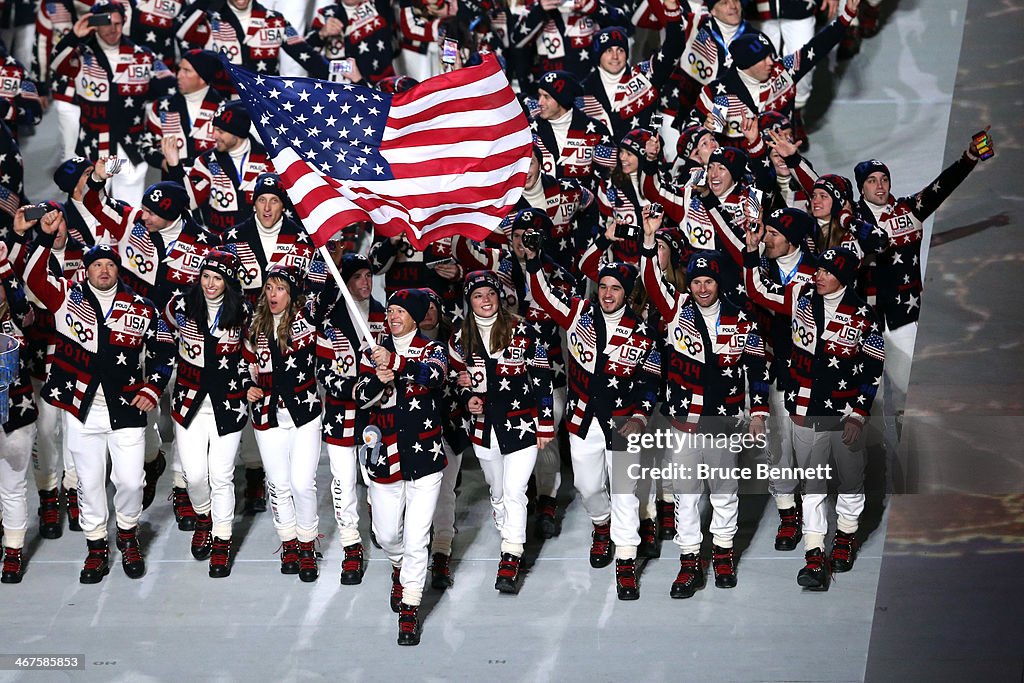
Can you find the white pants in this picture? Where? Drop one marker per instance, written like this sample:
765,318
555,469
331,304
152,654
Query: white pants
50,457
15,454
899,357
444,512
402,513
248,451
507,477
812,448
723,496
345,472
648,489
69,118
290,456
208,460
548,470
788,36
780,448
592,469
88,444
129,183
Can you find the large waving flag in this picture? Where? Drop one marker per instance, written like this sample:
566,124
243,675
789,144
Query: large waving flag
447,157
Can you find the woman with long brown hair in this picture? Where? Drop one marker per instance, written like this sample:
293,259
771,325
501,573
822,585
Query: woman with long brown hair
505,382
207,324
281,350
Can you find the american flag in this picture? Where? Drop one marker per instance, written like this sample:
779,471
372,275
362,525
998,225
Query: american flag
9,201
59,13
447,157
705,46
80,308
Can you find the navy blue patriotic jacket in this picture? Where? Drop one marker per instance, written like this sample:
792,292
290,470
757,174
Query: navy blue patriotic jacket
610,375
119,349
407,411
210,364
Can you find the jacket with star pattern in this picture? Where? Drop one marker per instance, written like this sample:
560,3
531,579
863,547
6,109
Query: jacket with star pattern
288,377
407,411
612,378
338,349
212,25
151,268
112,97
515,387
119,349
707,371
210,363
21,407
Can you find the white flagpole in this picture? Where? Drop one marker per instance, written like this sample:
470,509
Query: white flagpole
353,310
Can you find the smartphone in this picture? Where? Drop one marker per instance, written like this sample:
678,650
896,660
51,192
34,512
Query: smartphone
984,145
626,231
113,165
100,19
34,213
449,50
657,119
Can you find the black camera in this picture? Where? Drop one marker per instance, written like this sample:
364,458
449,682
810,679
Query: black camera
626,231
100,19
656,209
34,213
532,240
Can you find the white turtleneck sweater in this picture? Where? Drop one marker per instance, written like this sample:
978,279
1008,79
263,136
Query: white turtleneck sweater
824,230
560,127
171,234
111,52
403,342
610,82
239,156
634,180
876,211
752,84
726,192
787,265
105,298
194,102
268,237
535,195
60,254
710,315
364,309
277,323
611,320
244,15
728,31
213,309
832,303
485,326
